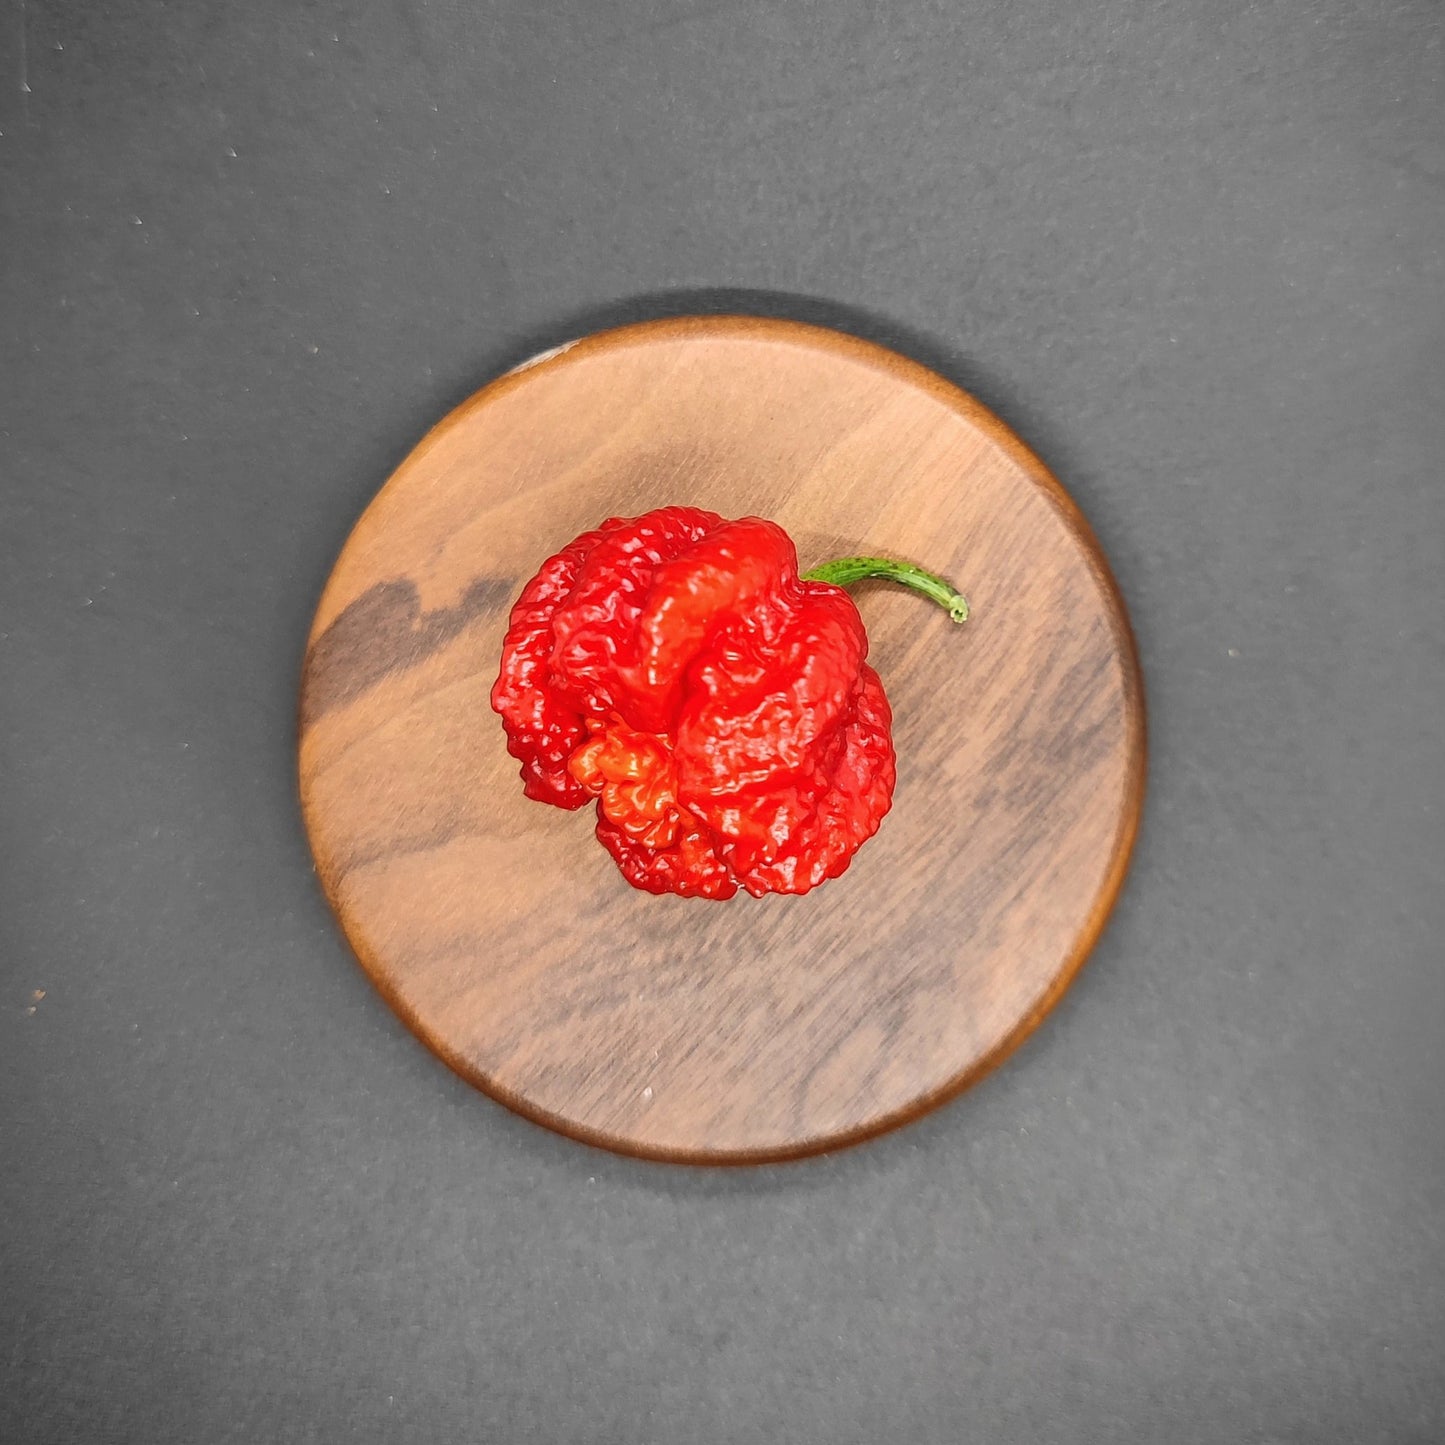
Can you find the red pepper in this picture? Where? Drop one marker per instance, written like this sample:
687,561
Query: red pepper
675,667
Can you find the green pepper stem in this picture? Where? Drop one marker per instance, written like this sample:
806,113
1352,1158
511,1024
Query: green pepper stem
845,570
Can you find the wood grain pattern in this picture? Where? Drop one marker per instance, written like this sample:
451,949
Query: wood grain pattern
752,1029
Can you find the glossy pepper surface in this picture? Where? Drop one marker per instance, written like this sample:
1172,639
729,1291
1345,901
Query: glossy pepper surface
718,706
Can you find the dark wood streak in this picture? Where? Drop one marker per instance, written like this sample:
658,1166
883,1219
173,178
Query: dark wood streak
401,846
756,1029
385,631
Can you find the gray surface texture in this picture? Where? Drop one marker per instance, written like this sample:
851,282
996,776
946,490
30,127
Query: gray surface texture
1193,253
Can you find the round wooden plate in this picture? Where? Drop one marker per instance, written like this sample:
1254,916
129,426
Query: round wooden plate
756,1028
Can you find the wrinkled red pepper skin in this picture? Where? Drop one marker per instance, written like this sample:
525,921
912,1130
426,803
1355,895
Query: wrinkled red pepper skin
676,668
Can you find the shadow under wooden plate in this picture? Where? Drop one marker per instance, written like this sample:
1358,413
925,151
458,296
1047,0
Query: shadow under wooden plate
752,1029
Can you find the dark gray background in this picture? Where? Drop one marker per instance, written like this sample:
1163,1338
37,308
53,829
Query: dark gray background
1194,253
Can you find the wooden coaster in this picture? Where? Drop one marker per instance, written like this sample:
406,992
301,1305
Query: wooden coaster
751,1029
